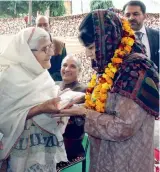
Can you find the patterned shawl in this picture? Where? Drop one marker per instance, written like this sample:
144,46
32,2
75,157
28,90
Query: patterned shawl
108,34
137,77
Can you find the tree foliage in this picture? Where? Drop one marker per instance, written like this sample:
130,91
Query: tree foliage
101,4
59,6
13,8
20,7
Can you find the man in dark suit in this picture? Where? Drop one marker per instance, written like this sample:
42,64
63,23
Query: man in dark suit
135,11
59,49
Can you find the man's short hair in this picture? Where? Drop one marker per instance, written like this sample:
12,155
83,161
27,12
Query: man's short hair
136,3
40,16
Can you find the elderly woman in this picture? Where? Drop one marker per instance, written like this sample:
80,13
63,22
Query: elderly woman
122,100
59,49
70,70
32,138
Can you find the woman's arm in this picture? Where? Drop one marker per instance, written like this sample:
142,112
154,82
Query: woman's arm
49,106
127,121
36,110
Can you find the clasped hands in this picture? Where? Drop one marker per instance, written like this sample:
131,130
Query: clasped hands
50,106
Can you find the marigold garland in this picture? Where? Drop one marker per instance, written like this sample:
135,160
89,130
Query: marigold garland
98,87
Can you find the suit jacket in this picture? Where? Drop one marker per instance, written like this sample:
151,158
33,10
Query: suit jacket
153,38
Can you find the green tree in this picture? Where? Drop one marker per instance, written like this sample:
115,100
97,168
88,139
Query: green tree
101,4
59,6
13,8
19,8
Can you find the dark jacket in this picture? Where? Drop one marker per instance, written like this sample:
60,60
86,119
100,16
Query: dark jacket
56,60
74,131
153,38
56,65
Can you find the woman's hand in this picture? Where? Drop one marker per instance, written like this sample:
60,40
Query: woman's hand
77,110
50,106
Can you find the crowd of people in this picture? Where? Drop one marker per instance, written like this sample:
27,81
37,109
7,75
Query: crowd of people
118,110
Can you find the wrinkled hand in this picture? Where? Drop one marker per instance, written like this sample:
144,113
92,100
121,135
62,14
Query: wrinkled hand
77,110
50,106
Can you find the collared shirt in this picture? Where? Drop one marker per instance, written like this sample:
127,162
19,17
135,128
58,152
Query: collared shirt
145,41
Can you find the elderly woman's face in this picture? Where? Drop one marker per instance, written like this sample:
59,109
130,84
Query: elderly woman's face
69,70
44,52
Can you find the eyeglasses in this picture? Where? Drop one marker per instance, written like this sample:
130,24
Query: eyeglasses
42,25
46,49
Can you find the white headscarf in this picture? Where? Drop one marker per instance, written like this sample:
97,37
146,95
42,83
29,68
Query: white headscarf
24,84
18,50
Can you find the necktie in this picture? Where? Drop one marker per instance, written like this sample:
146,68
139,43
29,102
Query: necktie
139,36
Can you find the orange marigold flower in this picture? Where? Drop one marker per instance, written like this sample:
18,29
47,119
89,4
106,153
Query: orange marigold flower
98,87
127,48
109,80
99,104
97,92
106,86
92,104
100,108
88,96
103,90
131,32
112,68
128,41
94,76
109,72
117,52
104,76
91,84
103,97
86,103
116,60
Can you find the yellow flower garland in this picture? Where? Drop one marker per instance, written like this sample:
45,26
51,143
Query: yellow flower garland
98,87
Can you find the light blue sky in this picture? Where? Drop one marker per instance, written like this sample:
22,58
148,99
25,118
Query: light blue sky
153,6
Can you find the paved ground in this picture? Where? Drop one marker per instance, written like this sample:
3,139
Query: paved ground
73,46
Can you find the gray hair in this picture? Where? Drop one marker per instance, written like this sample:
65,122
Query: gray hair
44,17
77,60
37,35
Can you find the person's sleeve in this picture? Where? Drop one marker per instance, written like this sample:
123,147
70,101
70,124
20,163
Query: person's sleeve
127,120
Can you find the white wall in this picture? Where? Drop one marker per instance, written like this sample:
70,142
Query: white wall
80,6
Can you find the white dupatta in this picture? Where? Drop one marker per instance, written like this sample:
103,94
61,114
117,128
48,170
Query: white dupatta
24,84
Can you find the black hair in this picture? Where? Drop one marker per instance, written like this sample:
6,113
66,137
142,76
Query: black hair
86,29
135,3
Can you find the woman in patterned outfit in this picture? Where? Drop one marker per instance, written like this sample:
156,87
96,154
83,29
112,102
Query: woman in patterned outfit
121,134
32,140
